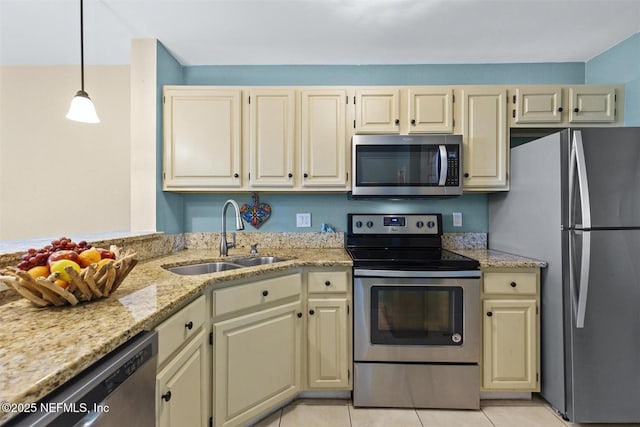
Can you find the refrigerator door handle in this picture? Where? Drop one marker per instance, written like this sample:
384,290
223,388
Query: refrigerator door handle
578,168
579,291
443,166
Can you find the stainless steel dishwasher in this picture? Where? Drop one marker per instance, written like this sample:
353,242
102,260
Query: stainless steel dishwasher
118,390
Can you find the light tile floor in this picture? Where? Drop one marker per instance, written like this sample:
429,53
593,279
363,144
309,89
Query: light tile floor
341,413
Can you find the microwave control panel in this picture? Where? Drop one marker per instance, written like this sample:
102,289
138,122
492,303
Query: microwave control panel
453,166
426,224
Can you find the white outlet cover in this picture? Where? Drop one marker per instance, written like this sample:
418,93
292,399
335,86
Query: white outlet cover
303,220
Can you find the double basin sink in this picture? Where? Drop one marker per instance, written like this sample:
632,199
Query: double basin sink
215,266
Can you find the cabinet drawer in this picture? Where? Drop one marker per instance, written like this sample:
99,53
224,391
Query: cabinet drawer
327,281
512,283
255,294
177,329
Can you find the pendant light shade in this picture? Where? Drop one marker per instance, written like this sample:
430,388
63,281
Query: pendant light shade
82,109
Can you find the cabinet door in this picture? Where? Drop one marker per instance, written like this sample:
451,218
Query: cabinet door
181,387
430,110
510,345
202,138
257,363
485,144
272,137
592,104
538,105
378,110
324,138
328,343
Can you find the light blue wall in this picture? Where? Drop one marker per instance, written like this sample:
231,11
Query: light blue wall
620,64
202,212
169,206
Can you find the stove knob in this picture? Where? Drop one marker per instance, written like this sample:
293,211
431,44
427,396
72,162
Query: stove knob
431,224
370,224
419,224
358,224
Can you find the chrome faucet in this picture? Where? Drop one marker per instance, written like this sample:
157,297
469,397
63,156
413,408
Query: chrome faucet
224,245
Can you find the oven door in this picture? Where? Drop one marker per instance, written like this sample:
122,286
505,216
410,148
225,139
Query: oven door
385,167
416,317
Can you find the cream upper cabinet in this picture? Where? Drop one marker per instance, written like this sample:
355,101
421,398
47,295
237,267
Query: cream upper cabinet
377,110
537,105
430,109
324,138
592,104
202,138
510,355
485,143
562,106
272,116
257,363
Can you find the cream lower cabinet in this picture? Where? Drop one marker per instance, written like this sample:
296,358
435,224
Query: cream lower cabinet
328,330
182,381
257,363
257,330
511,323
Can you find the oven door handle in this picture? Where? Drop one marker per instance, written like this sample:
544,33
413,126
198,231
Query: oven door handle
411,274
443,166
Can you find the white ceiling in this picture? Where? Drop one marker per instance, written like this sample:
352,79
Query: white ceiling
212,32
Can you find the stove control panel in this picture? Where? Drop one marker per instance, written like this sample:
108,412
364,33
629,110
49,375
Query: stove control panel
425,224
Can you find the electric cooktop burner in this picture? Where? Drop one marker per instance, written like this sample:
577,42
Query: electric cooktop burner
407,241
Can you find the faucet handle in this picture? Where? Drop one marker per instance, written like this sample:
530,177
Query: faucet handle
254,248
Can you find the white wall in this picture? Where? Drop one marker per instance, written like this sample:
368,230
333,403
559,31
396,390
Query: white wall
59,177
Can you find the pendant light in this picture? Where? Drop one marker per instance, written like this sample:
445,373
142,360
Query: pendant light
82,109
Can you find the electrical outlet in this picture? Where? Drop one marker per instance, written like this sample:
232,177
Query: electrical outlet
303,220
457,219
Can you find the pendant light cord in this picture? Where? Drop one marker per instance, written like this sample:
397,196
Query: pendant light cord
81,48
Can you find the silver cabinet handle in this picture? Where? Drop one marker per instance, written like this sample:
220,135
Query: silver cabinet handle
443,165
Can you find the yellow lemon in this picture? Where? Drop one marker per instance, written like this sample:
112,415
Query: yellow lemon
59,266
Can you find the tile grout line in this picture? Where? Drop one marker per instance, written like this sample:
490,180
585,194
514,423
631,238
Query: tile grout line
487,417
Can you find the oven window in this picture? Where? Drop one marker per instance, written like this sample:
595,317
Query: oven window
393,166
416,315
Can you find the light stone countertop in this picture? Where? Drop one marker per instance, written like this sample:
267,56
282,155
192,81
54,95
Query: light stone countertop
492,258
42,348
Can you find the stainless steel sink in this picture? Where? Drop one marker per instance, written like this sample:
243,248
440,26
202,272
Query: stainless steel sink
259,260
232,264
203,268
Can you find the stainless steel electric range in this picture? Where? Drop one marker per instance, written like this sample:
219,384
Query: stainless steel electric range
416,315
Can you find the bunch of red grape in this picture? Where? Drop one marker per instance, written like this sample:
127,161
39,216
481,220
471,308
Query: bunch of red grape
34,257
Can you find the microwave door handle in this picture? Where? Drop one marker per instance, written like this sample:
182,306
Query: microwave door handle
443,165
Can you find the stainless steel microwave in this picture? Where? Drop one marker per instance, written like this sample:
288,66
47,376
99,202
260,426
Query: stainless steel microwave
406,166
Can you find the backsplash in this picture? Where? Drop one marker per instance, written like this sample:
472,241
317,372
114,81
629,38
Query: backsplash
155,245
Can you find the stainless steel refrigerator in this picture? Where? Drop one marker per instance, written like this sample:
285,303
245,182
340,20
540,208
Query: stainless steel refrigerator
575,202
